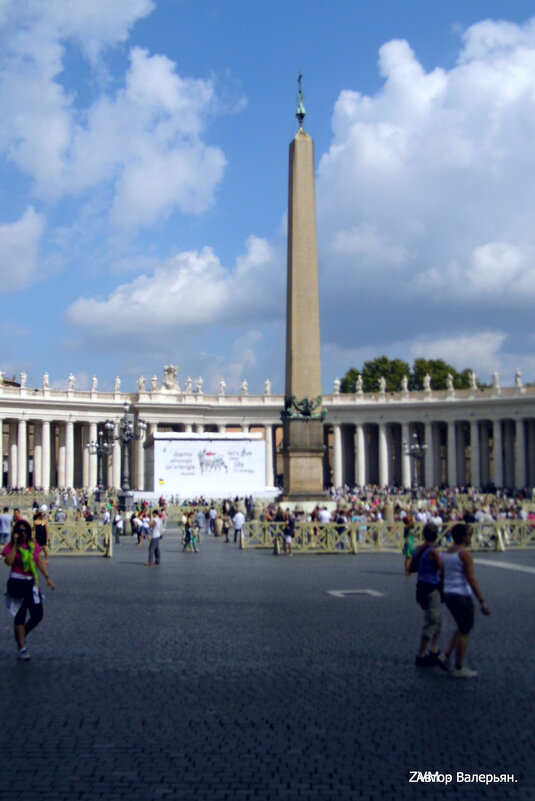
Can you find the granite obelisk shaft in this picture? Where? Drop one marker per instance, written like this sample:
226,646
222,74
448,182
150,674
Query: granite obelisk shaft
303,446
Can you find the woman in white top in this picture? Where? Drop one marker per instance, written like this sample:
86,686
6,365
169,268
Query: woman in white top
459,584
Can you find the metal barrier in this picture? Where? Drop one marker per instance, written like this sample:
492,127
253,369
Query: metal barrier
363,537
80,539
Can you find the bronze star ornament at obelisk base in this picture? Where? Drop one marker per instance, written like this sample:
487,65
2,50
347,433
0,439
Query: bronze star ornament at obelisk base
303,415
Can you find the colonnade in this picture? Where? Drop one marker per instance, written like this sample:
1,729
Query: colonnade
499,452
47,453
480,437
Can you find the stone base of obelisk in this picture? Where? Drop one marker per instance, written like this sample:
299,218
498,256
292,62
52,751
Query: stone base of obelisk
303,453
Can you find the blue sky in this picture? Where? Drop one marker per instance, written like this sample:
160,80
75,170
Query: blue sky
143,185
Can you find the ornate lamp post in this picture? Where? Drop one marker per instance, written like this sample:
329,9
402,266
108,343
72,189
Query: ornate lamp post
101,449
128,429
416,451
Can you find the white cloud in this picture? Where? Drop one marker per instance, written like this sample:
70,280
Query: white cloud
481,352
495,271
187,293
364,243
19,250
142,142
426,204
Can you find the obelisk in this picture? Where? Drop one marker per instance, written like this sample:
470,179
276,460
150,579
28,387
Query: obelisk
303,447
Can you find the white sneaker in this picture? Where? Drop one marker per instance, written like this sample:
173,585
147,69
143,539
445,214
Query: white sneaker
464,673
23,655
443,662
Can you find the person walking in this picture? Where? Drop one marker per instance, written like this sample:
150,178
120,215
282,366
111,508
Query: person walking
118,526
25,558
408,542
427,562
40,532
155,539
5,525
288,532
238,521
190,543
459,585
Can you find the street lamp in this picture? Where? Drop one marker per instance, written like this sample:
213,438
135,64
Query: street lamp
101,449
416,451
128,429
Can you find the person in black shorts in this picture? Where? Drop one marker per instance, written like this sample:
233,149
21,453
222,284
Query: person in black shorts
40,533
459,586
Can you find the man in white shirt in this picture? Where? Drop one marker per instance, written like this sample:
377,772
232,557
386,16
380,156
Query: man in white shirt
324,516
238,521
5,525
155,539
119,525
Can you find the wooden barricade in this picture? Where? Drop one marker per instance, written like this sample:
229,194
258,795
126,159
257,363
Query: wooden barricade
80,539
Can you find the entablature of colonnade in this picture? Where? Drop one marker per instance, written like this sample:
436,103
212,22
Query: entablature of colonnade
175,406
397,407
160,405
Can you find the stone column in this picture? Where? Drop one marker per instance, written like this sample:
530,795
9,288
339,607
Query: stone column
22,449
337,455
437,454
360,455
405,458
429,457
37,456
54,453
452,456
61,455
485,435
383,455
199,428
140,464
531,453
116,465
188,428
45,457
461,453
270,473
509,453
2,451
497,453
69,454
520,455
222,428
93,458
475,472
86,456
13,454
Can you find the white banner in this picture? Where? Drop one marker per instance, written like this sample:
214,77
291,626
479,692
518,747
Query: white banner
210,467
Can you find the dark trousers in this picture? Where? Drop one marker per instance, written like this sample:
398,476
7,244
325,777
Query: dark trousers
154,551
22,588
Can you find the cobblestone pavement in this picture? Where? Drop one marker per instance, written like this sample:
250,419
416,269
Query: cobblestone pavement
237,675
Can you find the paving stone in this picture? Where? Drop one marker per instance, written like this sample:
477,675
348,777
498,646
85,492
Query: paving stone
236,675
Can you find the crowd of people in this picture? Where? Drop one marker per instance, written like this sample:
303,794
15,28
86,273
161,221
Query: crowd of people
446,576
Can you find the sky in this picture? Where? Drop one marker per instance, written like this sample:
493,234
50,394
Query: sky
144,180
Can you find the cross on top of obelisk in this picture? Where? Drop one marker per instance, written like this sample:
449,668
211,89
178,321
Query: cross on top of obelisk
300,112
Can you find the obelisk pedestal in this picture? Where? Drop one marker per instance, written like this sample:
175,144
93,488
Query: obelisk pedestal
303,446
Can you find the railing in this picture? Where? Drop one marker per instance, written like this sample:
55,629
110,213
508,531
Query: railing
80,539
355,537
